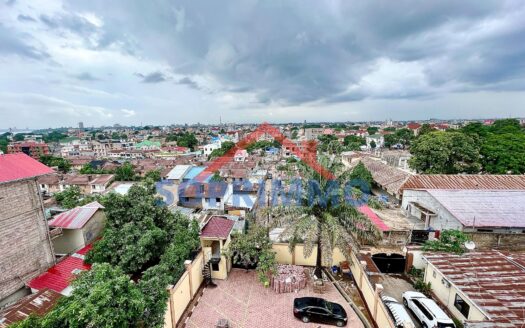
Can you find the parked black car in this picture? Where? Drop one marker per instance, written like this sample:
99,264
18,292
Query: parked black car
319,310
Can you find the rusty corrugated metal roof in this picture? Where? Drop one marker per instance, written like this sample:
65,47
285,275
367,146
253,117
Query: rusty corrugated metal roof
465,181
494,281
77,217
37,304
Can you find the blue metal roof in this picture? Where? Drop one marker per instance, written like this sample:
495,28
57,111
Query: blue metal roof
193,172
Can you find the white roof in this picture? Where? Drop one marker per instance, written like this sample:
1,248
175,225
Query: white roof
123,189
178,172
484,208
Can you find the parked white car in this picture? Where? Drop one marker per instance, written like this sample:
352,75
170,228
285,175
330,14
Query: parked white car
398,312
427,311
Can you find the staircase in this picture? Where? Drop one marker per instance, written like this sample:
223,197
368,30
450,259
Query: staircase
206,273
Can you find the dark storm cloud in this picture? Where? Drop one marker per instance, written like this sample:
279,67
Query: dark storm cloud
12,43
153,77
292,53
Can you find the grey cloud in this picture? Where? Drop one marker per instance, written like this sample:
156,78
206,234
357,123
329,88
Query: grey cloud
188,82
153,77
12,43
86,76
25,18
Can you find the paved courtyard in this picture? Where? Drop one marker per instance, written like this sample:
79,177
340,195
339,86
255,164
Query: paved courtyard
245,303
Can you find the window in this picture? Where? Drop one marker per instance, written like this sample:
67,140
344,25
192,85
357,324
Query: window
317,311
186,199
424,310
218,200
485,230
462,306
434,273
215,266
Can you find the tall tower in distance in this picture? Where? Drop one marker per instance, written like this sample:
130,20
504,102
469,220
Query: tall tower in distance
81,125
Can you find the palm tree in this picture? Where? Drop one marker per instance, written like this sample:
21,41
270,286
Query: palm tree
325,222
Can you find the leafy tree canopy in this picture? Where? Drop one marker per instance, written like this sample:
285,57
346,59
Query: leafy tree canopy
450,241
125,172
64,165
504,153
372,130
361,173
445,153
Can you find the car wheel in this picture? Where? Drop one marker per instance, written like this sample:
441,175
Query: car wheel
424,325
405,302
340,323
306,319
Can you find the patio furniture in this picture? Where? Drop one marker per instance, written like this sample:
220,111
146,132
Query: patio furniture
222,323
288,278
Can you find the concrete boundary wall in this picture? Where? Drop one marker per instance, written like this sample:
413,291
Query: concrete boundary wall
371,295
183,292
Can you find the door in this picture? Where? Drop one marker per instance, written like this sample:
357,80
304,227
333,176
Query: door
319,315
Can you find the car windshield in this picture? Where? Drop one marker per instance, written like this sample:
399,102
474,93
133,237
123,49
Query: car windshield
446,325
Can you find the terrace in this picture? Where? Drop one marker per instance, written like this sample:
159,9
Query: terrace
244,302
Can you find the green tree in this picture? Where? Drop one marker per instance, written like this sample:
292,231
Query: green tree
475,129
102,297
352,142
63,164
372,130
54,136
69,198
321,222
373,144
504,153
136,219
506,126
153,175
227,145
450,241
362,174
216,177
125,172
402,136
445,153
253,248
88,169
19,136
424,129
187,140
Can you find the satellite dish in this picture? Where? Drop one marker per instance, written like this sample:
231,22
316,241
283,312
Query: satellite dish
470,245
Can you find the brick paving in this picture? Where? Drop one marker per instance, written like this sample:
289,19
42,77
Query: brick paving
245,303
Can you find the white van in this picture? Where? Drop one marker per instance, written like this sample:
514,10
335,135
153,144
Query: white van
427,311
399,314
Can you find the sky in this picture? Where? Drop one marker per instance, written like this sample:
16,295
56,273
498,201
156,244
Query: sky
173,62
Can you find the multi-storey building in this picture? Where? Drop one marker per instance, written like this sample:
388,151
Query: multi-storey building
25,245
30,148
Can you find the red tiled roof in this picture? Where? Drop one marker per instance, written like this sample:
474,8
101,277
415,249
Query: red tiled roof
217,227
77,217
465,181
20,166
413,126
59,276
